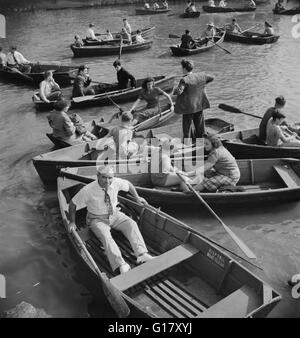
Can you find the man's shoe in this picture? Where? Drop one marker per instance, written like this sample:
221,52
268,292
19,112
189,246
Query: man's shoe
124,268
144,258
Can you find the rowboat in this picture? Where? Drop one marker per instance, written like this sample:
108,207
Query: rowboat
251,38
246,144
178,51
190,277
144,11
211,9
145,32
190,15
100,128
104,92
63,75
262,181
103,50
291,11
49,164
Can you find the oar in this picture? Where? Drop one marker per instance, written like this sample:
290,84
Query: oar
120,51
174,36
248,29
15,70
89,97
216,44
237,240
113,295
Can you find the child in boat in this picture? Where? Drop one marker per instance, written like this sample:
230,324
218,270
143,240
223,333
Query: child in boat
81,129
220,168
77,41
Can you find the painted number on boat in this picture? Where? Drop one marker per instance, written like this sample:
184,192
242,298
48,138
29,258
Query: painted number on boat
216,257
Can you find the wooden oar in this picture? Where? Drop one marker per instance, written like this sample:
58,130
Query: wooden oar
120,51
15,70
174,36
89,97
216,44
248,29
237,240
113,295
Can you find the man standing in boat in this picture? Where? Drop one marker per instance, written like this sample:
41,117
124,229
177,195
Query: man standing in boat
127,26
192,99
101,198
16,60
125,79
81,86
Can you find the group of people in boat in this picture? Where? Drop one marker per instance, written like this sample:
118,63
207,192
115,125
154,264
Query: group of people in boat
223,3
155,6
125,34
15,61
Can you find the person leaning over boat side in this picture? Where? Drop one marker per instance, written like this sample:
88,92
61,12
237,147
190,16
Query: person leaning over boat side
127,26
269,30
90,34
101,198
192,99
252,4
275,136
187,41
49,89
125,79
279,6
279,104
60,122
81,85
2,58
165,5
138,37
16,60
220,168
222,3
77,42
211,3
150,93
233,27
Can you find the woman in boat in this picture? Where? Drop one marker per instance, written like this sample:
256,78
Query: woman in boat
187,41
81,85
60,122
77,41
220,168
49,89
275,133
150,94
269,30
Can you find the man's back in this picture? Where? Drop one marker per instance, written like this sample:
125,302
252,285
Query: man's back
61,124
124,77
263,124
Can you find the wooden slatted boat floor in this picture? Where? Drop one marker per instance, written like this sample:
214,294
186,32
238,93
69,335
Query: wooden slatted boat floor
184,296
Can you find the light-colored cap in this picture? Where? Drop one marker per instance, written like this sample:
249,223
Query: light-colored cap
105,170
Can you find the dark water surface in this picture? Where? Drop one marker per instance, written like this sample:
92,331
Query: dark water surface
35,257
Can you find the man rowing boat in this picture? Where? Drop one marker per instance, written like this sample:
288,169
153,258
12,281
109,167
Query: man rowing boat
208,34
187,41
233,27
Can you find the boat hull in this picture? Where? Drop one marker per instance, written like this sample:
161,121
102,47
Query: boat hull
251,38
190,15
142,11
210,9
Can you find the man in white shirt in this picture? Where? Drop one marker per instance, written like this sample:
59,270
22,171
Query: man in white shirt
90,34
222,3
49,89
16,60
146,5
127,26
101,198
138,37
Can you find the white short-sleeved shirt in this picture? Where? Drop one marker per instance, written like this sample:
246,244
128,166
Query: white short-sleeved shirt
92,196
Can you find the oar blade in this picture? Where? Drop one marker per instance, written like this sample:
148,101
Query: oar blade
174,36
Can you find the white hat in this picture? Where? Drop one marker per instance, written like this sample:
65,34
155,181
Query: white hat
106,170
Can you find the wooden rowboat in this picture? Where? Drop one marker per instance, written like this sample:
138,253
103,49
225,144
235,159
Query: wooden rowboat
251,38
104,91
210,9
292,11
262,181
178,51
190,276
246,144
103,50
145,32
144,11
62,74
189,15
49,164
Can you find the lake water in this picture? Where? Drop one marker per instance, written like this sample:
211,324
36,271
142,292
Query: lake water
35,257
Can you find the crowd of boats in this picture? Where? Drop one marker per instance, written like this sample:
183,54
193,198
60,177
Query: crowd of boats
191,275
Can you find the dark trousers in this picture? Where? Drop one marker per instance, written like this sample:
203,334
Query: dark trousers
199,124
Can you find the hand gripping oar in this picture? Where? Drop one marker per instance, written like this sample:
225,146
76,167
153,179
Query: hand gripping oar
237,240
113,295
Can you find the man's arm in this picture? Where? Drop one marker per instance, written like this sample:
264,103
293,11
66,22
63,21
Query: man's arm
134,193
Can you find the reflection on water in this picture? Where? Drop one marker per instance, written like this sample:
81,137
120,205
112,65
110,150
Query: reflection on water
35,256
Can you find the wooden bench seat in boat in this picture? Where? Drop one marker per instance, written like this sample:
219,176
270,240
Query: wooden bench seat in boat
236,305
154,266
287,174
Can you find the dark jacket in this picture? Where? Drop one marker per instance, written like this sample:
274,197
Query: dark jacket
80,83
124,77
191,93
186,41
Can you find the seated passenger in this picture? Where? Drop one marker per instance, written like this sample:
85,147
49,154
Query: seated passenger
222,3
165,4
187,41
81,129
49,89
211,3
138,37
233,27
15,60
155,6
81,85
77,42
220,168
269,30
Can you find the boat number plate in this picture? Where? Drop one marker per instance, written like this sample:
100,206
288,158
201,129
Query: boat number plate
216,257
